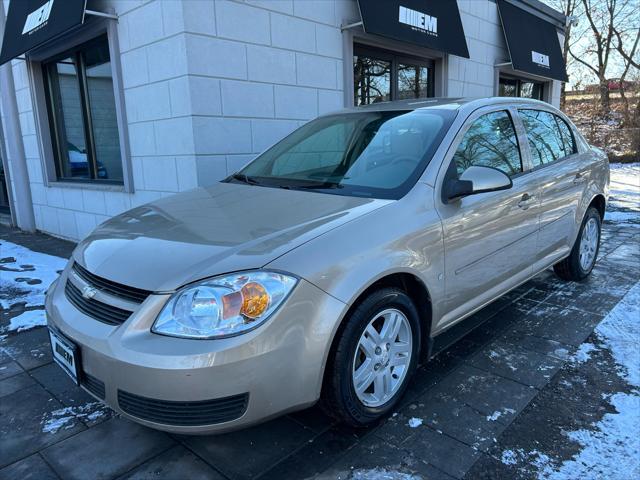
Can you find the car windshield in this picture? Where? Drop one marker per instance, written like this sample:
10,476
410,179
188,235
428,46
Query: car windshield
369,154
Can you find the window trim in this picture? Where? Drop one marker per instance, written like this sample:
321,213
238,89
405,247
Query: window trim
395,58
91,30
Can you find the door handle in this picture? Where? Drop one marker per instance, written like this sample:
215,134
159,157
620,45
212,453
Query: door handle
525,201
579,178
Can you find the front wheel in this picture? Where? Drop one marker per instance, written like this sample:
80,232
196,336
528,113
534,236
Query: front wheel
374,358
580,262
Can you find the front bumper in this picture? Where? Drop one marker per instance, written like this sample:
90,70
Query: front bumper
277,367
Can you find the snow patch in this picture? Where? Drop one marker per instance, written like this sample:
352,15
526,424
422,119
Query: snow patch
27,320
382,474
583,353
415,422
64,418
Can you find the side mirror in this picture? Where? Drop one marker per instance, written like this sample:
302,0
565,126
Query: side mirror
476,179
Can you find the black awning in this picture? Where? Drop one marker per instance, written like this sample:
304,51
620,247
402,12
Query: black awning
31,23
533,43
431,24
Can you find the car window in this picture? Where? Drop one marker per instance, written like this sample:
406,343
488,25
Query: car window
545,138
567,136
368,153
491,141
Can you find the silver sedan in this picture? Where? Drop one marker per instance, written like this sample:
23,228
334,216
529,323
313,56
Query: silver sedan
328,267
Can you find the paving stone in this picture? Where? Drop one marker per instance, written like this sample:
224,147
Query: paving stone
511,361
554,349
561,324
485,392
15,383
22,417
443,452
9,369
626,255
175,463
106,451
374,455
317,455
31,349
30,468
445,415
314,419
247,453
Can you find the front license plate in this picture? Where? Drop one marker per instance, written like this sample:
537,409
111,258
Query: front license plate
65,354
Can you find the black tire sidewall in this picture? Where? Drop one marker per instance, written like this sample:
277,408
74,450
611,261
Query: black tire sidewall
348,343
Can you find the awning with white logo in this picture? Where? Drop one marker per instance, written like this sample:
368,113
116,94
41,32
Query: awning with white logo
31,23
533,43
432,24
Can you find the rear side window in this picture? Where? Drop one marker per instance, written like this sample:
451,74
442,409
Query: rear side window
567,137
546,141
490,142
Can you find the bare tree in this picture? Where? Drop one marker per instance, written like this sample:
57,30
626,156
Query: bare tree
627,50
603,17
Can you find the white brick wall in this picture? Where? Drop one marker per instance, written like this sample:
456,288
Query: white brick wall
208,84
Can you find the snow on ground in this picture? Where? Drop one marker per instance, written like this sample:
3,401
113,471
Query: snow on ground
382,474
25,276
415,422
612,448
64,418
624,194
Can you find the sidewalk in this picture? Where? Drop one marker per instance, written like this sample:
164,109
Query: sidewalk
526,394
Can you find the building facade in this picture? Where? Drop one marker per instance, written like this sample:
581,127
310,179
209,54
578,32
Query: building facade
135,100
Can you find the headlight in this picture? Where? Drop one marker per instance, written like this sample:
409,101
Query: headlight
223,306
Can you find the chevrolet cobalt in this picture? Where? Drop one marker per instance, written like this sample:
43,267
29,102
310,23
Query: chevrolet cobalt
329,266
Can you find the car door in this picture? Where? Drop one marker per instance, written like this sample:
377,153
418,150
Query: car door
563,176
489,238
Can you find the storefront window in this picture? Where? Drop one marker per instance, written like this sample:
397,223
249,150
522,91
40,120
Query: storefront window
513,87
380,76
82,114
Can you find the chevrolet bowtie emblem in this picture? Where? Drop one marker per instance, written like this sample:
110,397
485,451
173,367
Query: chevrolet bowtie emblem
89,292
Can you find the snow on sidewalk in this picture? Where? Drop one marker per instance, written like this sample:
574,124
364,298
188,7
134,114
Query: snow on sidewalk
624,191
25,276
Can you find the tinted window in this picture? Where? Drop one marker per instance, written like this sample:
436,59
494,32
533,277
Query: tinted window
567,137
490,142
545,139
372,154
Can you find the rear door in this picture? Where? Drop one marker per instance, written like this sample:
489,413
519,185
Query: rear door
489,238
563,177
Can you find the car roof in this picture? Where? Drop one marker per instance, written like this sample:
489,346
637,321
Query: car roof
454,103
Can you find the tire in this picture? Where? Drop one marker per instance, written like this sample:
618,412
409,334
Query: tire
572,268
339,396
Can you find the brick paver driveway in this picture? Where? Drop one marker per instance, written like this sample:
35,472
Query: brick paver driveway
505,384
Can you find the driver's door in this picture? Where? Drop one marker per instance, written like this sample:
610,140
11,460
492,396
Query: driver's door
489,238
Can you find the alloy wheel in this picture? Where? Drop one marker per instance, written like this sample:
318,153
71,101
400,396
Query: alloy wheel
589,244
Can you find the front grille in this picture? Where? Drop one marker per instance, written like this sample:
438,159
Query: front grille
131,294
206,412
95,309
94,385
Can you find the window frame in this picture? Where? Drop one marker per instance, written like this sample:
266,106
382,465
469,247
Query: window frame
395,59
60,48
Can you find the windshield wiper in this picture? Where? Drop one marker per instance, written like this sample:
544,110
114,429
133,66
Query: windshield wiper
315,186
241,177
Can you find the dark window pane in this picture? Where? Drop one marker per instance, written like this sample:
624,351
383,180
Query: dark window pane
567,137
102,106
545,140
371,80
413,81
508,88
68,117
490,142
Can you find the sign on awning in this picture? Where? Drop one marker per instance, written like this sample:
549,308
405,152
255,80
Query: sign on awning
31,23
533,44
432,24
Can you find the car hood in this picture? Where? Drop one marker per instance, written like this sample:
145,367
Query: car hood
227,227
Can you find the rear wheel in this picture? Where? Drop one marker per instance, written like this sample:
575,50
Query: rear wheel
374,358
580,262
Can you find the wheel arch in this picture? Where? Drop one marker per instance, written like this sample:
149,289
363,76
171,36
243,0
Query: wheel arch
599,203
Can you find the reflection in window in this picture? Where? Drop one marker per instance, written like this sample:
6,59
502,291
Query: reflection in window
545,139
512,87
490,141
371,80
413,81
82,114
